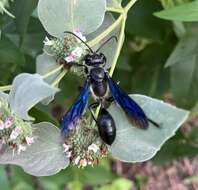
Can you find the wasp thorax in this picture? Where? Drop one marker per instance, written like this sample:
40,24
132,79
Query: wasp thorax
83,145
97,74
95,59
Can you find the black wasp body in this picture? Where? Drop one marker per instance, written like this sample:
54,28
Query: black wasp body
100,85
100,91
106,126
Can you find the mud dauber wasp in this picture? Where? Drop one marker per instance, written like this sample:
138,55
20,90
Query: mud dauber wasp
99,84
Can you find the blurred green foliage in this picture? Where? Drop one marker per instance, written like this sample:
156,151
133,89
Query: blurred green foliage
149,43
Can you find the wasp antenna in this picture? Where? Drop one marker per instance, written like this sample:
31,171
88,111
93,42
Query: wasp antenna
111,38
68,32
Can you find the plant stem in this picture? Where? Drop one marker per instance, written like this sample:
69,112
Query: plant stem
106,32
115,10
8,87
129,5
119,46
5,88
52,72
59,78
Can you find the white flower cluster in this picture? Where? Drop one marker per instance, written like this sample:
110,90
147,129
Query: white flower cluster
82,162
83,146
14,132
71,54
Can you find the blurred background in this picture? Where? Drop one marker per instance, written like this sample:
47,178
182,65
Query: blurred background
149,43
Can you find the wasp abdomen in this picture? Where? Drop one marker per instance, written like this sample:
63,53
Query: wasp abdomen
106,127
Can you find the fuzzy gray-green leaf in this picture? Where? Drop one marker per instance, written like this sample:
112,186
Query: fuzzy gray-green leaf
114,3
44,157
69,15
28,90
136,145
46,63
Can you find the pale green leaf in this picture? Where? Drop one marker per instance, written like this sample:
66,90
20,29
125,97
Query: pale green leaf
4,95
185,49
44,157
69,15
109,48
136,145
28,90
185,12
184,69
46,63
114,3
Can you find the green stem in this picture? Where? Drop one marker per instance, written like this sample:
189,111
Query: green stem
8,87
5,88
119,46
59,78
115,10
129,5
106,32
52,72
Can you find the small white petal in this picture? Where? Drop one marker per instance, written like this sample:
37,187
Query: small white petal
21,148
68,155
9,122
77,52
29,140
48,42
76,161
83,162
93,147
80,35
66,147
2,126
70,58
15,133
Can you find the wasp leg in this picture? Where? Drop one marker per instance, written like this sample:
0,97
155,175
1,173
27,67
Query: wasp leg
80,65
154,123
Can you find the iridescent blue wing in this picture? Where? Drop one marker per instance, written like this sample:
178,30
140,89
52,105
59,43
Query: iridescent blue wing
75,112
134,112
